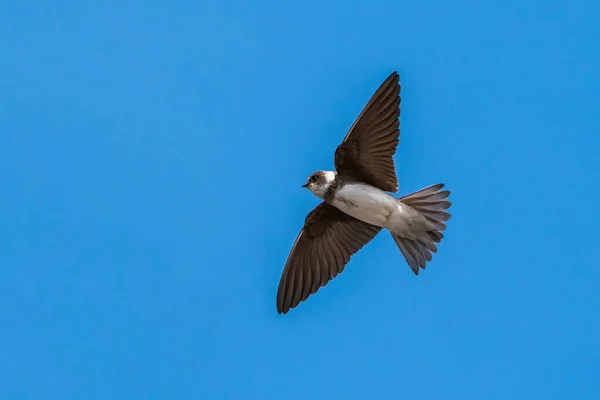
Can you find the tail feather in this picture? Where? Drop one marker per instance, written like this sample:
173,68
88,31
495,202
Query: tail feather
428,198
436,236
425,192
432,204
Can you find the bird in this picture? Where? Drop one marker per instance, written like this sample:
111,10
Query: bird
357,204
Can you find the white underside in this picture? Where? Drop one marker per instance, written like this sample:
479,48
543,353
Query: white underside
376,207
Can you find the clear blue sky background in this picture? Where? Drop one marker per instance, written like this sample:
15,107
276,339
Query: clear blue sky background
151,157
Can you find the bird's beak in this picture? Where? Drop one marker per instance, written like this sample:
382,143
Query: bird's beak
305,185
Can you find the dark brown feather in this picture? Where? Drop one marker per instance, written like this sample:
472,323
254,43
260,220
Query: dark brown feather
366,153
324,246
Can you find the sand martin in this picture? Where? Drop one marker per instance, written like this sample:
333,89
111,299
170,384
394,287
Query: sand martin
356,204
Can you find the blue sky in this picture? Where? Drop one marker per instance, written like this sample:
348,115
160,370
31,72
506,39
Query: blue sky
151,157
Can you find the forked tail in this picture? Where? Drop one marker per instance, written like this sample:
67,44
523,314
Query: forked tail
431,203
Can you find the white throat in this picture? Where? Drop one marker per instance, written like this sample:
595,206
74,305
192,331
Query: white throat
319,189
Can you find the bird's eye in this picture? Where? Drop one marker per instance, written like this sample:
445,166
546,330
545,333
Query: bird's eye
313,178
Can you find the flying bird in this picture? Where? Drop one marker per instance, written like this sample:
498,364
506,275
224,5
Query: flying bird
357,205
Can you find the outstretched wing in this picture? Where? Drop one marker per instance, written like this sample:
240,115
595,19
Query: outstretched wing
321,251
366,153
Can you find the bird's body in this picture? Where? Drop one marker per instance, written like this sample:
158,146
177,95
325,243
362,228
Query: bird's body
367,203
357,205
374,206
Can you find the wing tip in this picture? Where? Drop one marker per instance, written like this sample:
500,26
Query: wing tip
394,76
281,311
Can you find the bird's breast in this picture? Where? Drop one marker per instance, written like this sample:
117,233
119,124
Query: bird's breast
366,203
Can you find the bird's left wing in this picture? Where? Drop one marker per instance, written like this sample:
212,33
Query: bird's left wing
366,153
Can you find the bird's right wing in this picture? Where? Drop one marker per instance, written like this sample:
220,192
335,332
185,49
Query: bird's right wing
321,251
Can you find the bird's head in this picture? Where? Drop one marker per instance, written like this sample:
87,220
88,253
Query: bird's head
318,182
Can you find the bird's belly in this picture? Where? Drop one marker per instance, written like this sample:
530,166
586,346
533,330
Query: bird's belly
366,203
